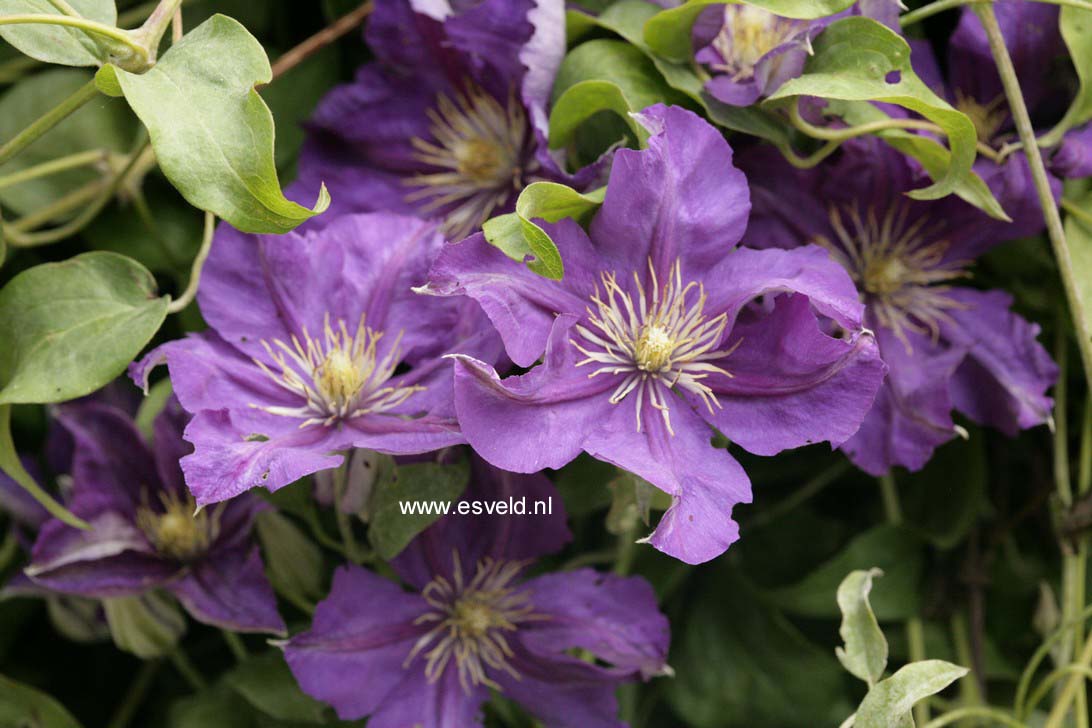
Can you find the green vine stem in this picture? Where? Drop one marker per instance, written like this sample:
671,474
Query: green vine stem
928,11
915,630
1039,176
54,166
87,26
999,717
123,716
49,120
198,263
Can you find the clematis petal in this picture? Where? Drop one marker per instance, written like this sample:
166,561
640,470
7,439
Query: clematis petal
705,483
520,304
563,691
912,413
229,589
784,371
1004,378
346,642
554,403
169,445
1073,158
679,199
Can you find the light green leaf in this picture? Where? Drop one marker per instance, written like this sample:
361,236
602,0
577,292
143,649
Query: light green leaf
520,238
266,683
150,407
71,327
21,706
583,100
668,33
888,704
292,561
934,157
53,43
865,652
13,466
897,551
211,131
858,59
103,124
147,626
1076,27
390,530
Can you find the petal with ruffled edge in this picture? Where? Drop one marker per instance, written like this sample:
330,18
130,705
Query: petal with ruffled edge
912,413
501,537
111,559
705,483
521,305
348,643
613,617
1004,378
536,420
679,199
228,589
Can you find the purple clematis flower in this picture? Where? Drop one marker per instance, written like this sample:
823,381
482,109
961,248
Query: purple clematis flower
145,533
750,52
450,120
973,85
318,345
656,334
946,346
473,621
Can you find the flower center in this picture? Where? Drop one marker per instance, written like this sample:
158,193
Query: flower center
471,619
340,375
987,118
656,342
177,531
899,266
748,34
478,150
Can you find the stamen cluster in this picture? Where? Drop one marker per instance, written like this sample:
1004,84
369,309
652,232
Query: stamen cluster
178,531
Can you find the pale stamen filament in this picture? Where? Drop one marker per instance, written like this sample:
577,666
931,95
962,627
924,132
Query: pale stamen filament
472,618
900,267
661,340
339,376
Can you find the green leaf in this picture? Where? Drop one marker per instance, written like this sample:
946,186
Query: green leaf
21,706
605,75
13,466
103,124
858,59
211,131
1076,27
71,327
294,97
740,663
56,44
668,33
934,157
292,561
266,683
390,530
522,240
956,477
149,625
865,652
897,551
888,704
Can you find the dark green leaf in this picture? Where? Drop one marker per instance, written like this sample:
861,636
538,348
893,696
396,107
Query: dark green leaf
292,561
956,477
267,684
1078,233
149,625
1076,27
71,327
390,530
211,131
894,550
21,706
858,59
54,43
